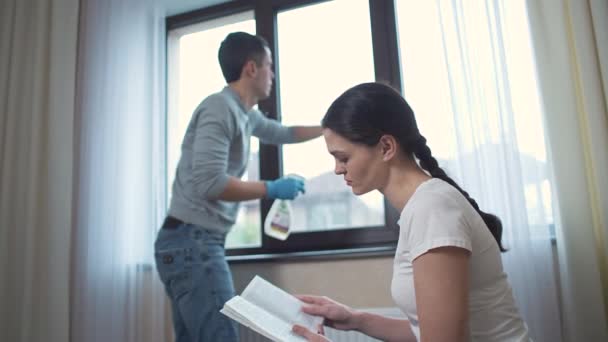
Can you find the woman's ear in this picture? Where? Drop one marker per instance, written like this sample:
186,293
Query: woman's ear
388,147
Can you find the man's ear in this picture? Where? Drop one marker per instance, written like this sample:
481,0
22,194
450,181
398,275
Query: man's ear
388,147
249,69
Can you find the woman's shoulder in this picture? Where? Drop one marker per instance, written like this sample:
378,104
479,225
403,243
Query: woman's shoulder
434,195
434,217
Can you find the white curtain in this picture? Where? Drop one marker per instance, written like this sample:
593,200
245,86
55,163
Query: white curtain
120,175
501,148
571,47
469,75
37,84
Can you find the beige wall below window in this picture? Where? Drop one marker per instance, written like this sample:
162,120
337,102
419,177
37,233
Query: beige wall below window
359,282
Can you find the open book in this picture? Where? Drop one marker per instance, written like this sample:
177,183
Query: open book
269,311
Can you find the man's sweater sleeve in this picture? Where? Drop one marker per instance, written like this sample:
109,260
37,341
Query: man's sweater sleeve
270,131
215,128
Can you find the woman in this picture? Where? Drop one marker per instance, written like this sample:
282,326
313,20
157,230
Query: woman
448,277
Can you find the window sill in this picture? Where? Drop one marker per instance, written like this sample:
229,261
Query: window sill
353,253
365,252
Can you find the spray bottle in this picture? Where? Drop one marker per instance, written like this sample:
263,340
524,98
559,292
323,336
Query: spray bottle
279,221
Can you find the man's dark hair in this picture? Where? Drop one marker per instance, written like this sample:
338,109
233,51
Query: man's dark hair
237,49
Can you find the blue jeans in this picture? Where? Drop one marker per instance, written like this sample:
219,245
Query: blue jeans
192,265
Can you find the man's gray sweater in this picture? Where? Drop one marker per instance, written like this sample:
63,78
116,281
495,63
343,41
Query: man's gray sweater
215,147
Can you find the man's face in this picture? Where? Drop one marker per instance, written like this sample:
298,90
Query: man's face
264,76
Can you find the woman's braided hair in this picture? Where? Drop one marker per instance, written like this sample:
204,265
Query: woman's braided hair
366,112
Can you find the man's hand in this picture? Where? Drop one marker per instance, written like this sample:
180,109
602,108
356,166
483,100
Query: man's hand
284,188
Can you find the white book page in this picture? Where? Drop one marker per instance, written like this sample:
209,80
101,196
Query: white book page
259,320
279,303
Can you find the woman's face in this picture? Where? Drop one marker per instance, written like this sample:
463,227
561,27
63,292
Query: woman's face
362,166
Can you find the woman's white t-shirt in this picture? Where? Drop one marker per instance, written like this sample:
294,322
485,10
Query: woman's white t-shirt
438,215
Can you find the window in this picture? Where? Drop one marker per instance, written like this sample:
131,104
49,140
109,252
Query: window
329,217
477,103
414,46
194,74
350,62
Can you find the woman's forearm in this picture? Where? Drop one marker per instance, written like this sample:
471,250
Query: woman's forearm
384,328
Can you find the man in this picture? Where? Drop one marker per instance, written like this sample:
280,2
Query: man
189,249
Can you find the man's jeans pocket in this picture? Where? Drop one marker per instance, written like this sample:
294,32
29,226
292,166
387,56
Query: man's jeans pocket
174,267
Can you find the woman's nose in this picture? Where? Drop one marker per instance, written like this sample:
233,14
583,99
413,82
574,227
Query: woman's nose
338,169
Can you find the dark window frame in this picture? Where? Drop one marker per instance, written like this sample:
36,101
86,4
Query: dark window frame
361,241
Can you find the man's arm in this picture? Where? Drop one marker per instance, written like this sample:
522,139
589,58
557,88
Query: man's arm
282,188
238,190
271,131
214,129
305,133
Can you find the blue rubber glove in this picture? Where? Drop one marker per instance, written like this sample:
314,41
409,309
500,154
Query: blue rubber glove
284,188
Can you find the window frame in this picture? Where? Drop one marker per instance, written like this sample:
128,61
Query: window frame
360,241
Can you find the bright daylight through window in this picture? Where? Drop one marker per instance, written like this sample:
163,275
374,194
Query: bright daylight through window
484,123
194,74
306,93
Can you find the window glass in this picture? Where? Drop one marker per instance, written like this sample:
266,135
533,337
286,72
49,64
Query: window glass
194,73
471,82
337,57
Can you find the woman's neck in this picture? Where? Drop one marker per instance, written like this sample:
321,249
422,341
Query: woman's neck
402,183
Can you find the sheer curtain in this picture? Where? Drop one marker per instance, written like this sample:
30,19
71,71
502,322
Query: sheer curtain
571,48
468,73
37,84
120,175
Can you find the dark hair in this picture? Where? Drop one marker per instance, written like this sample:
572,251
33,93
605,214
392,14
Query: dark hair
364,113
237,49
